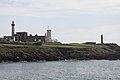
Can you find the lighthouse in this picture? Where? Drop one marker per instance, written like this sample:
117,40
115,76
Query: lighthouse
13,29
48,35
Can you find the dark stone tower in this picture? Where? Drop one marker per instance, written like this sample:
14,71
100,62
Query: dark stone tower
13,29
102,39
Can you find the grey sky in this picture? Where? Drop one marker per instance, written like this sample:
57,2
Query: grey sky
70,20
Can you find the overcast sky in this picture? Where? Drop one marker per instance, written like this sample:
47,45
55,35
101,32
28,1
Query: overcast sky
74,21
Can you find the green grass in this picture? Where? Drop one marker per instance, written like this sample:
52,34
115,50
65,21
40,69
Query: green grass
53,51
72,46
54,45
13,45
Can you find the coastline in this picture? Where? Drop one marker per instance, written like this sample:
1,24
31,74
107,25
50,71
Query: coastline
34,53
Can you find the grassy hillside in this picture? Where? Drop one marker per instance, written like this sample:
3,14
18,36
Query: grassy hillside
50,52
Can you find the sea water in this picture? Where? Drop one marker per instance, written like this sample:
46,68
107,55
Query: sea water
62,70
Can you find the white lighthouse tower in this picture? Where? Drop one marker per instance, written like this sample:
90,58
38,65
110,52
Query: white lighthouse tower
48,35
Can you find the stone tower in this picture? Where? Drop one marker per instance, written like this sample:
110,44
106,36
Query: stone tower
102,39
48,35
13,29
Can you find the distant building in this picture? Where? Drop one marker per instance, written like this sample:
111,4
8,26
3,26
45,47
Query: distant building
9,38
1,38
36,38
23,36
90,43
48,35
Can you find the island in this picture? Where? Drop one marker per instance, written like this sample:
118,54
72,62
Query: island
14,52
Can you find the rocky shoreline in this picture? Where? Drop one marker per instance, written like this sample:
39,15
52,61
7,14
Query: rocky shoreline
21,53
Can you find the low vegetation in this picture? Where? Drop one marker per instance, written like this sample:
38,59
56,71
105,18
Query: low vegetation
24,51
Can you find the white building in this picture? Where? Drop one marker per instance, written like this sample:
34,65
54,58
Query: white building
48,35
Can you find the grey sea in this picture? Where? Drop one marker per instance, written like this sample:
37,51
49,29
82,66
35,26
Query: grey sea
61,70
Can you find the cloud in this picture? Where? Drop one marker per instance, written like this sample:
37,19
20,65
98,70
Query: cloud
110,32
14,3
59,7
